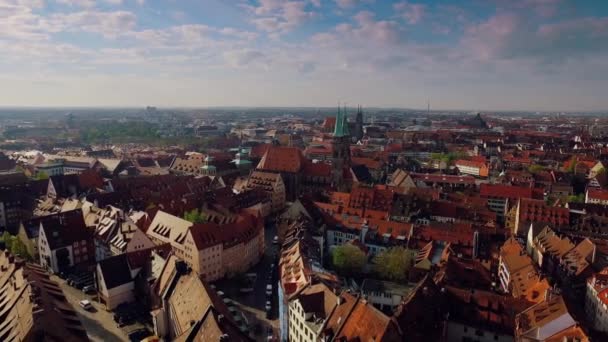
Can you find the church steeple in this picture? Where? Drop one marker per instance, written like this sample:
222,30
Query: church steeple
341,127
358,134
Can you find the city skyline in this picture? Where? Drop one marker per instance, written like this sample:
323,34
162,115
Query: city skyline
537,55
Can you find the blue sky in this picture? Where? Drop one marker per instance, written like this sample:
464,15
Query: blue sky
475,54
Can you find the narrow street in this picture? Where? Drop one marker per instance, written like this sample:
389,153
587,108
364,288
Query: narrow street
98,322
252,304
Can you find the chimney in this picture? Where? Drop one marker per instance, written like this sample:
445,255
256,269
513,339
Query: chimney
338,300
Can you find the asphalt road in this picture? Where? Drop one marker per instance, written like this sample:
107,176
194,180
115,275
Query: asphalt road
252,304
99,323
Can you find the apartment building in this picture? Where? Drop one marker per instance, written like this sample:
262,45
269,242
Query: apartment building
518,275
473,168
65,242
213,250
596,300
596,196
548,320
188,309
271,184
317,313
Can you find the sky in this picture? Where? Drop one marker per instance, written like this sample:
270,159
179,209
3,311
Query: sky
476,54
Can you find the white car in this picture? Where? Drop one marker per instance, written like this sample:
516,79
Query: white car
85,304
275,240
269,290
268,306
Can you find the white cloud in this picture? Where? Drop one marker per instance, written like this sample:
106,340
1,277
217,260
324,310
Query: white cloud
278,16
411,12
78,3
108,24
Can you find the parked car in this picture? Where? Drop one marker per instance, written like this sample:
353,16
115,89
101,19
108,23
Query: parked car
125,320
89,289
275,240
85,304
138,335
269,290
268,306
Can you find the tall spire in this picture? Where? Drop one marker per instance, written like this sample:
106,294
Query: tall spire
339,126
345,122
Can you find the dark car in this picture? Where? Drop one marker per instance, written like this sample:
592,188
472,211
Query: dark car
138,335
125,320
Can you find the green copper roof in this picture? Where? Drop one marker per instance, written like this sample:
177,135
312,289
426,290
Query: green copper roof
341,127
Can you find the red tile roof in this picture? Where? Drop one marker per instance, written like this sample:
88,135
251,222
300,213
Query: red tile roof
505,191
354,218
243,229
329,123
258,151
531,210
597,194
316,169
366,323
437,178
470,163
368,162
282,159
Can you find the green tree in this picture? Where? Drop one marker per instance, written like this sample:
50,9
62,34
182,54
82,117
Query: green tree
18,248
394,263
535,168
580,198
15,246
40,175
6,237
348,259
195,216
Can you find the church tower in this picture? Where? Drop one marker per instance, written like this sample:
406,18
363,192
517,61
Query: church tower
358,125
341,151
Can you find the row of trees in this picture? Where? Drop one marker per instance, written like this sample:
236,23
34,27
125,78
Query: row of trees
116,130
15,246
391,264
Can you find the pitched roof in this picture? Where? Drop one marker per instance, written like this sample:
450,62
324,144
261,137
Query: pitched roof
65,228
531,210
366,323
525,280
116,271
282,159
597,194
370,163
505,191
470,163
484,310
243,228
437,178
316,169
536,321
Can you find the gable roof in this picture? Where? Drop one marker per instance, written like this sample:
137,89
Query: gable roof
282,159
63,229
116,271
